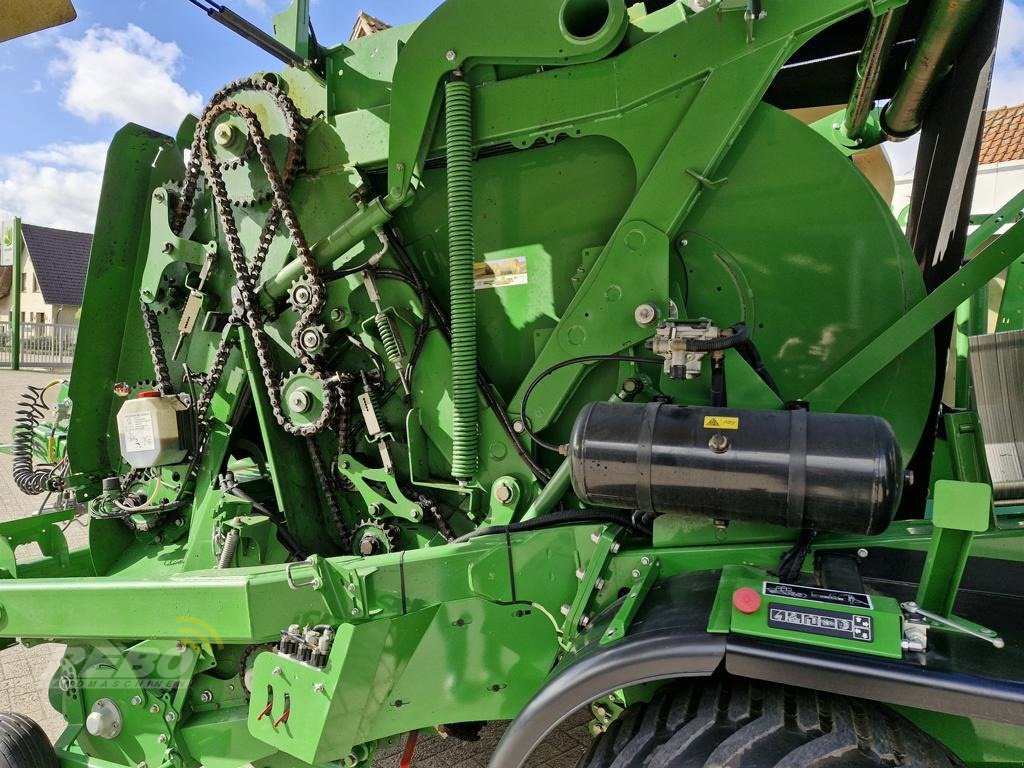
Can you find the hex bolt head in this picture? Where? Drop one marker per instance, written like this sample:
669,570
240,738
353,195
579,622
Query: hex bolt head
206,697
518,427
584,622
318,688
351,587
155,709
636,573
645,314
170,717
65,683
504,493
302,296
580,573
162,738
565,609
645,560
179,647
718,443
451,55
276,671
355,611
136,701
862,553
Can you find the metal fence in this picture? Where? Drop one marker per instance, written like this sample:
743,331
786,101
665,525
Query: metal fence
43,345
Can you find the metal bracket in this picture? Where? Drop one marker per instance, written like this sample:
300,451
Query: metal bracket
166,248
956,624
644,576
314,583
607,545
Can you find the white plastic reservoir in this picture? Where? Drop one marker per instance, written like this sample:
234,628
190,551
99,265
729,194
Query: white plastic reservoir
148,430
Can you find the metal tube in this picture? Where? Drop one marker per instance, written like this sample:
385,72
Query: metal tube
877,47
942,37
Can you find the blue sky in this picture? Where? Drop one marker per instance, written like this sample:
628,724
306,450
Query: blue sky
68,90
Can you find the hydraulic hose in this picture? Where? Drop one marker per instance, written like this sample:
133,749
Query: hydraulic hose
461,256
31,480
635,521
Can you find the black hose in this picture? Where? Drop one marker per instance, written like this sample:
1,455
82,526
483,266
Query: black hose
31,480
565,364
632,520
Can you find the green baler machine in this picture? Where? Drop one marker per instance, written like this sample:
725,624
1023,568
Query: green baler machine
543,355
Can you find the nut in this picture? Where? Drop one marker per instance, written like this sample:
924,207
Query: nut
300,401
645,314
718,443
206,697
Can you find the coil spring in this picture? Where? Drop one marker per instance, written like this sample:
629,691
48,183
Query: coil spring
31,480
392,344
227,551
461,256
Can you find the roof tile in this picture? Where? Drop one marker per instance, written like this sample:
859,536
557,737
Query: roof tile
1003,141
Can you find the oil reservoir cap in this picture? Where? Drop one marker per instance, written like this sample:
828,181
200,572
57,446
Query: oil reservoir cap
151,393
746,600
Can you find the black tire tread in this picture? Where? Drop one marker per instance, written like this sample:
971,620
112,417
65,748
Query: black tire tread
726,722
23,744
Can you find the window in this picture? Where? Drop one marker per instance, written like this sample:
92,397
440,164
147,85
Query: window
35,283
24,283
40,317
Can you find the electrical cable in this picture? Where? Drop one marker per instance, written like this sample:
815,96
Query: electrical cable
635,521
565,364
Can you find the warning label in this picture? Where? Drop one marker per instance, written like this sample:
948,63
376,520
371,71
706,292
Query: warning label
138,432
721,422
815,621
500,273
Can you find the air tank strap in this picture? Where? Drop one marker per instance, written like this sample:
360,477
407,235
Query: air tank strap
645,457
797,468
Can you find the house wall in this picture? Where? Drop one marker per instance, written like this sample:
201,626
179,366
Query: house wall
34,308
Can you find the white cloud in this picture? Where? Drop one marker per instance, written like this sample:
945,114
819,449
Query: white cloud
56,186
126,75
1008,81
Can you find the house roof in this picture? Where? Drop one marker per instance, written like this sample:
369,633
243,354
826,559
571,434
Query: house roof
1003,141
61,260
367,25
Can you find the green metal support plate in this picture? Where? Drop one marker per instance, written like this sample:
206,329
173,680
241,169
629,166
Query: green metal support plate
871,626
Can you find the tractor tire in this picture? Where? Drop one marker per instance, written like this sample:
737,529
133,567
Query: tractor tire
23,743
733,723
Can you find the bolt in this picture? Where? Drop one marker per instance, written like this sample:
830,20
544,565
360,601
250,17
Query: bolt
615,548
162,738
276,671
302,296
206,697
351,587
645,560
155,709
518,426
451,55
311,340
580,573
504,493
179,647
596,537
400,167
718,443
355,611
168,247
636,573
565,609
160,196
318,688
368,546
862,553
65,683
136,701
170,717
300,401
338,315
599,584
142,765
584,622
223,134
645,314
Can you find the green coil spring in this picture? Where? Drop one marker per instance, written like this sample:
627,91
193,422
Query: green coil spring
392,344
461,255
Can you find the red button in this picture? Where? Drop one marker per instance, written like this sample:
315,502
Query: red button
746,600
151,393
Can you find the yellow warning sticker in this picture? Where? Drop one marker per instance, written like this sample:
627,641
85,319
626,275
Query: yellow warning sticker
721,422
